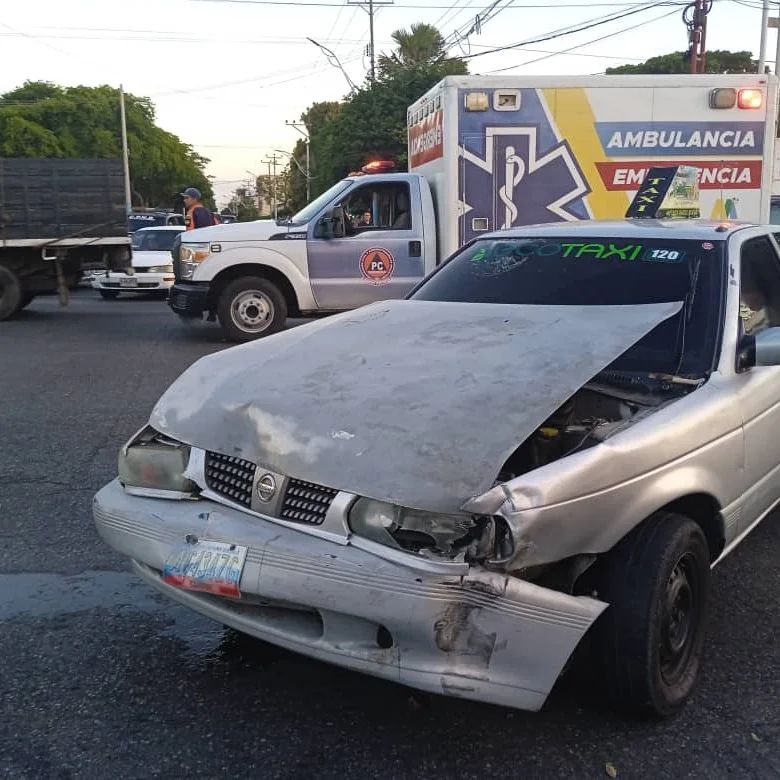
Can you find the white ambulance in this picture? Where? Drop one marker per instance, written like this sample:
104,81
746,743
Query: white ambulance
486,153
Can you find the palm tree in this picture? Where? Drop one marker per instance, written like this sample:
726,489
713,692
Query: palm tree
421,45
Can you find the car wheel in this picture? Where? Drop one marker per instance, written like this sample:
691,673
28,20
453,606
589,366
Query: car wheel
109,295
11,294
651,637
251,307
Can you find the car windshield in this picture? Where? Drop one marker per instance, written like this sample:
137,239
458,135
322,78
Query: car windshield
154,240
138,221
600,271
308,212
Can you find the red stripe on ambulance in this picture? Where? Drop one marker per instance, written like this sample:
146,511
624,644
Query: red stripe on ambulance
732,174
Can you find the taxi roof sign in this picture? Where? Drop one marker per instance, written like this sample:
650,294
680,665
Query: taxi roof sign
667,193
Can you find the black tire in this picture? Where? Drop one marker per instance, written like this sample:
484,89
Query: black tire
651,637
109,295
11,294
251,307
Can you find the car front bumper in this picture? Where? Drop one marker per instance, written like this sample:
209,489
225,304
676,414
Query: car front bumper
483,636
144,282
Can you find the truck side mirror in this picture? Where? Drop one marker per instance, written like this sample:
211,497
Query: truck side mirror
332,225
763,349
338,219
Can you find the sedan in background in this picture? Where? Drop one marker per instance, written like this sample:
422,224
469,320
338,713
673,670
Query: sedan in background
152,268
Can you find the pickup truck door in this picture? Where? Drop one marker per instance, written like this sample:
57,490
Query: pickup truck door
380,257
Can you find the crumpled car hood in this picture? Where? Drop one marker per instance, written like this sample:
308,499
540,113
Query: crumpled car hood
415,402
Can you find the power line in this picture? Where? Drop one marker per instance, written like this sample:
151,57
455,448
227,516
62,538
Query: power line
418,6
589,43
571,30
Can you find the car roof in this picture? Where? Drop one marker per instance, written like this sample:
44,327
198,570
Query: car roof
161,227
694,229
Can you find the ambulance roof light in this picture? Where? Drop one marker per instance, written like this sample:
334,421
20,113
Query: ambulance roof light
378,166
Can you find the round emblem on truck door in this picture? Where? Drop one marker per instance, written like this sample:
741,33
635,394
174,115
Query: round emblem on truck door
266,487
376,265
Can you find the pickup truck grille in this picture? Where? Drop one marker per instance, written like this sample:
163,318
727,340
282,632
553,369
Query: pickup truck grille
305,502
230,477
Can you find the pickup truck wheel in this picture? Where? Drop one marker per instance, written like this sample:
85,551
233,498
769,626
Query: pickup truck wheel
251,307
109,295
651,637
11,294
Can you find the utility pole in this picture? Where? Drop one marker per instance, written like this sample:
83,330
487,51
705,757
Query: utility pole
762,45
370,7
304,132
125,155
695,18
272,160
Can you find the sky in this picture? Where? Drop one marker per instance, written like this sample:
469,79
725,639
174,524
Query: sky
225,75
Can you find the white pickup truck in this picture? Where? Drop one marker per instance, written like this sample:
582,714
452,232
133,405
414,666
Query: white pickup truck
485,152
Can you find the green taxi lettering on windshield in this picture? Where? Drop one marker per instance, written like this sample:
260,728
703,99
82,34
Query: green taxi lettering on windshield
602,251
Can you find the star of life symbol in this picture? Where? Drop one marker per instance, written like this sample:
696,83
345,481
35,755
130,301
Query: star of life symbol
538,188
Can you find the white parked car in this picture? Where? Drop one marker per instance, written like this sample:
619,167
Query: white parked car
152,268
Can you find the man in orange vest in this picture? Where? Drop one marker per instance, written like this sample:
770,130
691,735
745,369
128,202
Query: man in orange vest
196,215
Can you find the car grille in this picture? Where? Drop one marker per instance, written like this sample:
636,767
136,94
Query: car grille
305,502
233,478
230,477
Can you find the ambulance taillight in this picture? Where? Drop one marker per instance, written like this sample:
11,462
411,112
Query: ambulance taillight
750,98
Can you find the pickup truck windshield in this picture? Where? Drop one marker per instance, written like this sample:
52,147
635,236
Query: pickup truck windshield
309,212
601,271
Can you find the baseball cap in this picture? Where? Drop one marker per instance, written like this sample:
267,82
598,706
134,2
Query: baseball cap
191,192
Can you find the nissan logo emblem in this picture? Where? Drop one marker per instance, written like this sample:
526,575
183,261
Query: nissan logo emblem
266,487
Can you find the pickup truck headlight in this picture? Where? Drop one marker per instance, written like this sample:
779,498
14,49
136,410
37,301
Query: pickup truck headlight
191,256
157,269
410,529
151,464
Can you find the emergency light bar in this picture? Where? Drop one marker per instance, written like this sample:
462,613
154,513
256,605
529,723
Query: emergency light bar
378,166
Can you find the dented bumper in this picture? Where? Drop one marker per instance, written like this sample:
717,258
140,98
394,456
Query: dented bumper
482,636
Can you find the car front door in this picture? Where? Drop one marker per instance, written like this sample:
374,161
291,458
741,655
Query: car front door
759,387
380,255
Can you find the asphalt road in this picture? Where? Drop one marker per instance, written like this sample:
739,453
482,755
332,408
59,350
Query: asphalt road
101,678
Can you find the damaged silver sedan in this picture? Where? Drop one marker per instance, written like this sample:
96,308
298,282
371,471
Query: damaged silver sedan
558,434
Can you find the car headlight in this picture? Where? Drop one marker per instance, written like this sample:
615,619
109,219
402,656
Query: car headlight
157,269
427,533
152,464
191,256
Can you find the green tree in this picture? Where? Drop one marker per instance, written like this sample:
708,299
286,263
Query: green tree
371,122
244,205
420,46
40,119
315,118
718,61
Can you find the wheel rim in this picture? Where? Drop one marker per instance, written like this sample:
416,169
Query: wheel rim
681,618
252,311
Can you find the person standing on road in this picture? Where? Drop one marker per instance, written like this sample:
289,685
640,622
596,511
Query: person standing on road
196,215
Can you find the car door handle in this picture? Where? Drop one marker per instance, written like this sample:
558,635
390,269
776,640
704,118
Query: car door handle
415,249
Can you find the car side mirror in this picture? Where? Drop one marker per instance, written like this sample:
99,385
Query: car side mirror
763,349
